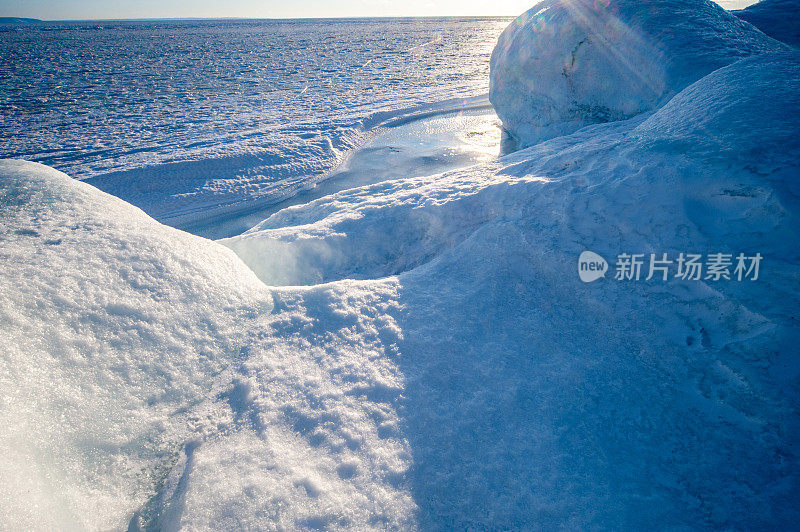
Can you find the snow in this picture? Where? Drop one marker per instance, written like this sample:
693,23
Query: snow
112,323
141,368
193,120
710,119
530,397
565,64
419,352
780,19
437,139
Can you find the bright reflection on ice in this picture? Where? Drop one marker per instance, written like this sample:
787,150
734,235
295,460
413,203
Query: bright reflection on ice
412,149
440,142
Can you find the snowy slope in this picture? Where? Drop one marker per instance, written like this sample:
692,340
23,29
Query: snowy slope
780,19
112,325
149,378
530,397
565,64
451,371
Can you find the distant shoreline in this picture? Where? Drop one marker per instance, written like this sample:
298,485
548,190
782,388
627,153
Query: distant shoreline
20,20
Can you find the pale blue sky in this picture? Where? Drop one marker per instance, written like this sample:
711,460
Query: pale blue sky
105,9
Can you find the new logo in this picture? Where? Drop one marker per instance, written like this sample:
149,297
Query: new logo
591,266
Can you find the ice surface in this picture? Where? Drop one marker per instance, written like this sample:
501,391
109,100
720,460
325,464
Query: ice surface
191,120
444,367
565,64
418,144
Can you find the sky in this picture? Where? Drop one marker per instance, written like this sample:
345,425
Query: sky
105,9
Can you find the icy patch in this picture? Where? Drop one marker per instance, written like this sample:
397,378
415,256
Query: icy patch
418,144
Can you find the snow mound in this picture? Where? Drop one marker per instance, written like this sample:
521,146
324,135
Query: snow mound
565,64
530,397
780,19
410,222
151,381
111,322
719,113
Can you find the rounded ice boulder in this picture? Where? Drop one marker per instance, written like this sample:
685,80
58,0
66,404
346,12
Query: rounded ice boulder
566,64
780,19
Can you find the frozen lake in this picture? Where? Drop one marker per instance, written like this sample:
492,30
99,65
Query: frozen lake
192,119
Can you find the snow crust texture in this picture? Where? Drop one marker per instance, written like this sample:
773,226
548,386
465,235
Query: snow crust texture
565,64
420,353
112,324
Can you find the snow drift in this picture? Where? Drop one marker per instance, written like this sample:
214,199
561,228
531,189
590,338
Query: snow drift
148,381
453,371
565,64
112,325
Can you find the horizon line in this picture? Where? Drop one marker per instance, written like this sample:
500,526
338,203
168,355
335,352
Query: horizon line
144,19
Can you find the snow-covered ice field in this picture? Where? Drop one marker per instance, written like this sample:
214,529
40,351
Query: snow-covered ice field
400,339
191,120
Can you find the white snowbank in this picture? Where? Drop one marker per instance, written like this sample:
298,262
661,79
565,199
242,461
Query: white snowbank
112,324
565,64
145,379
713,119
